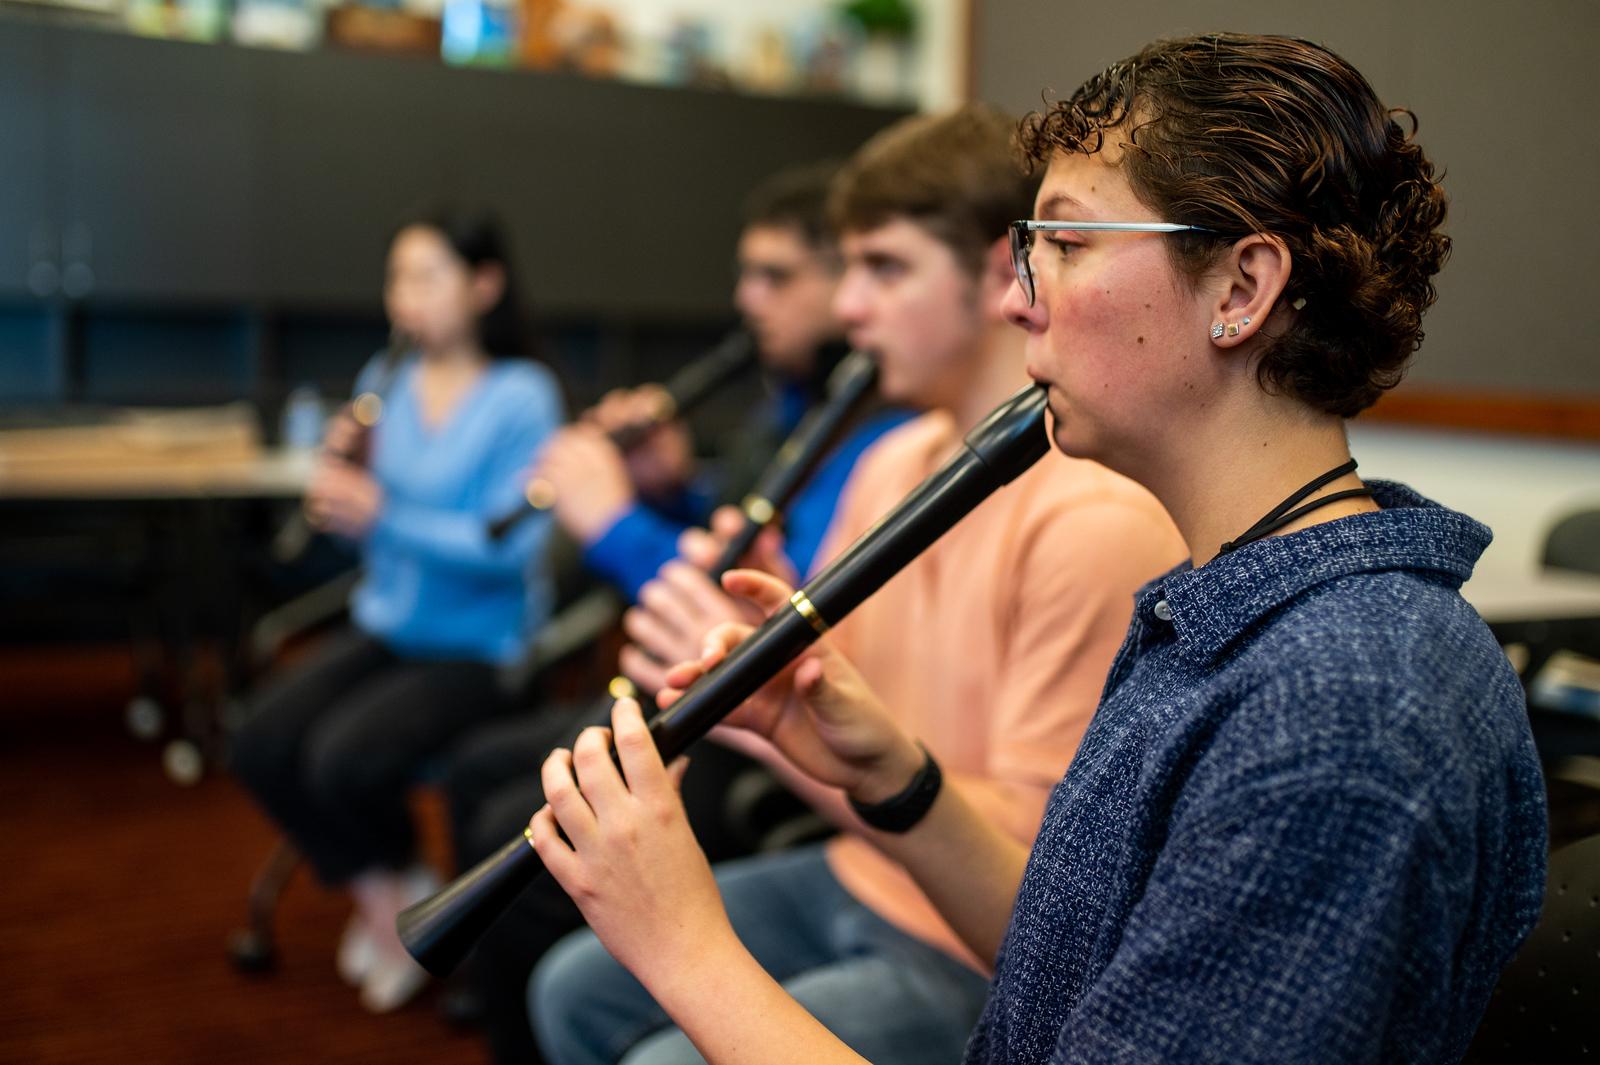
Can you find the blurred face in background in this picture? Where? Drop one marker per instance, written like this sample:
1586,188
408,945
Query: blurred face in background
433,295
908,299
785,293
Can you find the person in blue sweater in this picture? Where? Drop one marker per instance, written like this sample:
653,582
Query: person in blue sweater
1307,822
331,749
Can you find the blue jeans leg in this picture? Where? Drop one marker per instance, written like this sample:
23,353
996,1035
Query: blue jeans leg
888,995
584,1008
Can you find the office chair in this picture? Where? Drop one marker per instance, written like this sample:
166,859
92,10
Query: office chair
1574,543
584,614
1544,1008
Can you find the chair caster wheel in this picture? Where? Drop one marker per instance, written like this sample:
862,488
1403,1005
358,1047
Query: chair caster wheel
460,1006
145,717
183,762
250,952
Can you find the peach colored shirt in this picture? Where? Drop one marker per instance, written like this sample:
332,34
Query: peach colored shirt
993,646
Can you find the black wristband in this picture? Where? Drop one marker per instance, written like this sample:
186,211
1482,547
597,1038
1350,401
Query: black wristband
898,813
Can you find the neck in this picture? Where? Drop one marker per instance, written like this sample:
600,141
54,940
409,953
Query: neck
811,370
995,375
1224,474
460,357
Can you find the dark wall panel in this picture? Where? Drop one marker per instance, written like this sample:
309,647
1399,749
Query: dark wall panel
30,370
351,141
212,219
136,357
29,210
163,152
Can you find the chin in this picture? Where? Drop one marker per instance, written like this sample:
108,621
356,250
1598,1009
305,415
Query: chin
891,387
1069,438
766,350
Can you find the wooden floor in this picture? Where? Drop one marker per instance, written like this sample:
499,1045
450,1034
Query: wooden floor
119,890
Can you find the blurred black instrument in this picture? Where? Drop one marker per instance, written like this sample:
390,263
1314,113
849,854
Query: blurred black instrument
683,391
366,410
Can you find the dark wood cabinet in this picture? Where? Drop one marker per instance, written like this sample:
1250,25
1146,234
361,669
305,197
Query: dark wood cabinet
162,170
30,209
352,142
158,197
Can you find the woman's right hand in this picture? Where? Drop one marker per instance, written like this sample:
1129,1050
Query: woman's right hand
342,435
820,712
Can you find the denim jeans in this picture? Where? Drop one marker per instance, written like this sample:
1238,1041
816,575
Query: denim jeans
890,996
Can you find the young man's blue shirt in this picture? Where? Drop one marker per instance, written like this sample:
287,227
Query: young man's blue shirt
636,546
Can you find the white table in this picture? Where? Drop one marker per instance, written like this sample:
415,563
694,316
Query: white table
187,532
269,475
1549,595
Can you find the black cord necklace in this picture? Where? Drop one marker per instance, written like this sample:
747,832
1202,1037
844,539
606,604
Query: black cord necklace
1281,515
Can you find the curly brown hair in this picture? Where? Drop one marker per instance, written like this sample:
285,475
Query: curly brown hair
1255,134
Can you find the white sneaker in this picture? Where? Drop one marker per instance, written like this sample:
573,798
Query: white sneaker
392,978
358,951
420,882
392,981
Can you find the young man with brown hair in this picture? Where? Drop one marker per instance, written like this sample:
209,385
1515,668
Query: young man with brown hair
991,648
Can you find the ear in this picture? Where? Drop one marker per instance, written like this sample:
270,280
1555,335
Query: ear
488,285
997,278
1247,285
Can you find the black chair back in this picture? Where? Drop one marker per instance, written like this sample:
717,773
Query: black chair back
1545,1006
1574,543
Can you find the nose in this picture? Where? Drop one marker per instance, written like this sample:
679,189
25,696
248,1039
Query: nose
1016,310
747,293
850,303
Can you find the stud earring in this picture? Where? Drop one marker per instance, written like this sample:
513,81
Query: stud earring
1233,329
1299,304
1216,331
1244,322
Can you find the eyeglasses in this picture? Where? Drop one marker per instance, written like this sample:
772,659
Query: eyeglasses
1022,240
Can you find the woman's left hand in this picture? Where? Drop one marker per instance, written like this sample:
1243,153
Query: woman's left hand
343,499
630,860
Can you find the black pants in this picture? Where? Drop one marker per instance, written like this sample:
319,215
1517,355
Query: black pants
492,784
332,749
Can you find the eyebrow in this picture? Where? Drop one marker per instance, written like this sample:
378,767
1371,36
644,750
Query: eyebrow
871,254
875,258
1057,201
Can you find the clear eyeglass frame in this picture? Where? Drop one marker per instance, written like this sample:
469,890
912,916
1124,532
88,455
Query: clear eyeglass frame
1022,231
